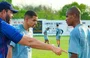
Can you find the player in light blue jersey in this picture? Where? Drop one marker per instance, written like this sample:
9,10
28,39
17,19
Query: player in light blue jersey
21,51
58,34
79,45
46,35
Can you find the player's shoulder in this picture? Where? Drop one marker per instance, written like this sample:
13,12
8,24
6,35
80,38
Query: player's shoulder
19,26
80,28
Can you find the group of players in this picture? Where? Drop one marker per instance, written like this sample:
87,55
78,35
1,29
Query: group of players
14,40
59,32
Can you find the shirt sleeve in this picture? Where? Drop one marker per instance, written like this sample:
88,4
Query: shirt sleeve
10,32
12,44
74,44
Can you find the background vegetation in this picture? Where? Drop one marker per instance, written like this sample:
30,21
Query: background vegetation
45,12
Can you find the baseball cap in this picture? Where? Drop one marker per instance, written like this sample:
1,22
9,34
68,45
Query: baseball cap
6,5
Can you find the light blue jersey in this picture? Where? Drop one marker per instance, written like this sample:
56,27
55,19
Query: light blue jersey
58,33
79,42
20,51
45,35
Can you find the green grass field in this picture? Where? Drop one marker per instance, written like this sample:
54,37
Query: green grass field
49,54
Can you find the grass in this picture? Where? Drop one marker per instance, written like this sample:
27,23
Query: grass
49,54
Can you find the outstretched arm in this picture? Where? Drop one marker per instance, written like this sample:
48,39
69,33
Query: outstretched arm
9,55
34,43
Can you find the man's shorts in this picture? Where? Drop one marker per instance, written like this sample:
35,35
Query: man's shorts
46,37
58,37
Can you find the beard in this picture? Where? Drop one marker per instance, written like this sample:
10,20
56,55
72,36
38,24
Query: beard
7,19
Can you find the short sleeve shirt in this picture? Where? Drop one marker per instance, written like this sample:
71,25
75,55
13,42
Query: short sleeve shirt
79,42
7,33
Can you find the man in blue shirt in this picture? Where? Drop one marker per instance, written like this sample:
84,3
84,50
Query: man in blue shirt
58,34
46,35
7,33
20,51
79,45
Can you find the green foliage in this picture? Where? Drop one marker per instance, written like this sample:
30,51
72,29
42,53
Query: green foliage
48,13
0,0
6,1
43,12
20,14
9,1
83,8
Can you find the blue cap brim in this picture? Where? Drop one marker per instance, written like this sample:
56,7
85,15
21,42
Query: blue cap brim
14,11
5,5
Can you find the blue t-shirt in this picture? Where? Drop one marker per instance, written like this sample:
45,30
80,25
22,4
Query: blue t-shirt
20,51
79,42
45,35
58,33
7,33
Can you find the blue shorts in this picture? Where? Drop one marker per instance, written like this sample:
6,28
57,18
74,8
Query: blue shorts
58,37
46,37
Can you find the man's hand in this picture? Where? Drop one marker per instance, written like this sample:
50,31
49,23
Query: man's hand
57,50
64,51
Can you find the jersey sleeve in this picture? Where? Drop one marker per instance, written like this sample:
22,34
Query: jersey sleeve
12,44
10,32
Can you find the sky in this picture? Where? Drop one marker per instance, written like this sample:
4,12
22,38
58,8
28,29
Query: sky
54,4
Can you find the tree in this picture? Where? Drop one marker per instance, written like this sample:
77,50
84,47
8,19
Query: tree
10,1
48,13
84,13
43,12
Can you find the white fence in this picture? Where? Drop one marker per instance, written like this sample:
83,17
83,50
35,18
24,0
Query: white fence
43,24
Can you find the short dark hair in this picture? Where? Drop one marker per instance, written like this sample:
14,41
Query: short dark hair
30,13
57,25
76,11
47,28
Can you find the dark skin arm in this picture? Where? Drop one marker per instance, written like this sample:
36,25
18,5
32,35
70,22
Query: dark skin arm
73,55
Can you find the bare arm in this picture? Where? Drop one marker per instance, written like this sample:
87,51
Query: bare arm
9,55
34,43
73,55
